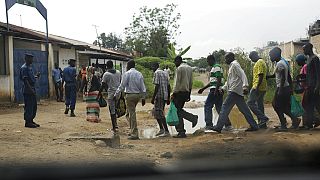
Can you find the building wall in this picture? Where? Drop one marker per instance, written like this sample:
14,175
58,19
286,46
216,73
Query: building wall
5,88
21,44
83,60
315,40
65,55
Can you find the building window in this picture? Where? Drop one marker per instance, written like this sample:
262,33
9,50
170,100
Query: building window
3,64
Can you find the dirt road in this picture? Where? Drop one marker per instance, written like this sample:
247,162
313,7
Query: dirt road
21,145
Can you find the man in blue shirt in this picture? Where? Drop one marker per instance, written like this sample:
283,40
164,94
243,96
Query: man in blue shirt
29,92
57,80
69,78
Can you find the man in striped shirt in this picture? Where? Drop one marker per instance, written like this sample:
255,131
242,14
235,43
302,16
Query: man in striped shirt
215,97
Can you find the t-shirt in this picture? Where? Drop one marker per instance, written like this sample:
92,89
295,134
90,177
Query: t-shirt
56,74
183,79
215,73
112,78
260,67
160,78
282,65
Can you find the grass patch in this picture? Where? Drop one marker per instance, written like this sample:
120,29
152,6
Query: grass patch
197,84
270,94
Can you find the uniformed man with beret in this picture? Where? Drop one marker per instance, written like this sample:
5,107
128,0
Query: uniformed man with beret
29,91
69,78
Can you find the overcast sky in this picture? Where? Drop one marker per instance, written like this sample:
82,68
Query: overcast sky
205,25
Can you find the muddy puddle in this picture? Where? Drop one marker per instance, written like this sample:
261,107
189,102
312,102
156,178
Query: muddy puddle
237,120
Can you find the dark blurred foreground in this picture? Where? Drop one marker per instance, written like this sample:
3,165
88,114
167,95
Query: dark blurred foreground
293,165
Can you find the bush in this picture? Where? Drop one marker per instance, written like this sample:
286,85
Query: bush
148,78
148,62
144,65
197,84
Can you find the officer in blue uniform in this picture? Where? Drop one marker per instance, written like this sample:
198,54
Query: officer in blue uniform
29,91
69,78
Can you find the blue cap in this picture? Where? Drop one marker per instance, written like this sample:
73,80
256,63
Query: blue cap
28,55
301,58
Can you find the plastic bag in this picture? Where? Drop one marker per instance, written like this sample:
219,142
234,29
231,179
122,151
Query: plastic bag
121,107
172,118
102,102
296,108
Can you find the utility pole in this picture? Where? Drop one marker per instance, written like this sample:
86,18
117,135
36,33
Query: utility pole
96,27
20,19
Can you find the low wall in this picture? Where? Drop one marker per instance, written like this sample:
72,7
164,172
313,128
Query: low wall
4,89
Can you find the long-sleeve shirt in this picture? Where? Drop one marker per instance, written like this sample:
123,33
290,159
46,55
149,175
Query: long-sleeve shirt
236,80
183,79
69,75
132,83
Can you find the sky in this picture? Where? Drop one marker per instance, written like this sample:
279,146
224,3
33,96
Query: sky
206,25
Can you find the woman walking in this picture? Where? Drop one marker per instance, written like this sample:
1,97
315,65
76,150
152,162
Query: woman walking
93,86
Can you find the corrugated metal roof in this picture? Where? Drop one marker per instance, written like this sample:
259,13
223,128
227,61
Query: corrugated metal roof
60,39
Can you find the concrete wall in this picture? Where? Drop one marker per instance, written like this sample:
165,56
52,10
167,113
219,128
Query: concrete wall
65,55
20,44
315,40
5,88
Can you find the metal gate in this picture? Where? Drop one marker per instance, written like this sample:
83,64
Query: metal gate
40,64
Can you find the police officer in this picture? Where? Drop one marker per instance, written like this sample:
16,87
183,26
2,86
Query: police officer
29,91
69,78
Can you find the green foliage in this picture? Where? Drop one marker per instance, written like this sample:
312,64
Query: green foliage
148,78
184,51
168,63
200,63
172,51
197,84
111,41
152,30
148,62
144,65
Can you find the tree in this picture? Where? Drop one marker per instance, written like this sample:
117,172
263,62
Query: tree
172,51
272,43
152,30
111,41
219,55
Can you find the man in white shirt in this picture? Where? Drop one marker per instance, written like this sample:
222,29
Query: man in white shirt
133,85
236,87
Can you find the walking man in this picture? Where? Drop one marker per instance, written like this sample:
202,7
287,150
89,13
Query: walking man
281,100
215,97
133,85
160,97
181,95
111,81
259,89
236,87
57,80
311,95
29,91
69,78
